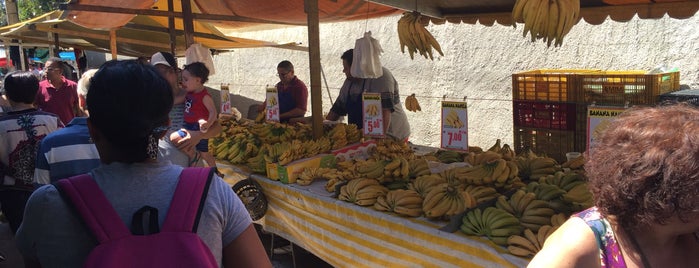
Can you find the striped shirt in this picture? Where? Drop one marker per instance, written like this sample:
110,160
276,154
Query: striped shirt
66,152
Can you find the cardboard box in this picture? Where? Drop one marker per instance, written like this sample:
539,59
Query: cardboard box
272,172
290,172
355,151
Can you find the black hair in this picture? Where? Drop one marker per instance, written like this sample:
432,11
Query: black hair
21,86
198,69
347,55
129,103
286,65
56,60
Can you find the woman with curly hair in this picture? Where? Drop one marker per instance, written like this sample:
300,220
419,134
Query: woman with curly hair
644,176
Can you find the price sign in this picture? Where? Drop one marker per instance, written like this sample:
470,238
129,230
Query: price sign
454,126
272,104
598,119
225,99
373,115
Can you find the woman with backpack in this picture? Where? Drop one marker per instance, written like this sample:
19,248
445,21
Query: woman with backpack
134,210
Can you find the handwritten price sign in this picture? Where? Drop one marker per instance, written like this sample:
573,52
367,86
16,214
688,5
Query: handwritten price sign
454,126
272,104
373,115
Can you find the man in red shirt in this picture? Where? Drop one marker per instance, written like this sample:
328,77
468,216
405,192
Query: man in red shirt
57,94
293,94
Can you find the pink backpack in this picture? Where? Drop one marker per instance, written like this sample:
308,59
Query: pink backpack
176,245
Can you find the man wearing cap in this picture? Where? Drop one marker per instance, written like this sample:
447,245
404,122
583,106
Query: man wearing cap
57,94
166,64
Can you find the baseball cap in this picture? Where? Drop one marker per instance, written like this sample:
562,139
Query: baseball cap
163,58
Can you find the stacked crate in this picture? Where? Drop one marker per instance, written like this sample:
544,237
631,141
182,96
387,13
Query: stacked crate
550,106
546,111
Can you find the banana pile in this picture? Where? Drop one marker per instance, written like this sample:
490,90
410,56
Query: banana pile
547,19
411,103
372,110
397,169
482,194
445,200
362,191
418,167
309,175
389,149
531,212
423,184
529,244
497,173
413,35
452,119
403,202
533,167
448,157
495,223
370,168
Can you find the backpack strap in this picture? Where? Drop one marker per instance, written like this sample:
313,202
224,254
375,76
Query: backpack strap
188,201
89,201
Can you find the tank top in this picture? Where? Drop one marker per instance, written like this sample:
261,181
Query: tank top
609,252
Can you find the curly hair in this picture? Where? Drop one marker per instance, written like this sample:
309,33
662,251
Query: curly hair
645,168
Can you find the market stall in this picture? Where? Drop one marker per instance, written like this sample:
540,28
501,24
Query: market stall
346,235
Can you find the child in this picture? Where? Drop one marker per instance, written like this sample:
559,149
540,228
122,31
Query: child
200,110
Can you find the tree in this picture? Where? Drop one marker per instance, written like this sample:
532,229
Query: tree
28,9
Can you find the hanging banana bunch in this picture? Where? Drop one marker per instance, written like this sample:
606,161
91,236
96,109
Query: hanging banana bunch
413,35
411,103
546,19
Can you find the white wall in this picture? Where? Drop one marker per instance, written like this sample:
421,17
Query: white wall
478,63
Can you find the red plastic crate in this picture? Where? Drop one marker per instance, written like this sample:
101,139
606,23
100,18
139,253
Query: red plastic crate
549,115
619,88
553,143
547,85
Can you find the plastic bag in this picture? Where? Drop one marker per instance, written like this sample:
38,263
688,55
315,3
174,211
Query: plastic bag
197,52
365,60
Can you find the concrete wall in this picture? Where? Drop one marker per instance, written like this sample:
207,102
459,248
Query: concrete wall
478,63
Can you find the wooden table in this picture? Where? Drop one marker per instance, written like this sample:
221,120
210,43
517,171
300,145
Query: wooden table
347,235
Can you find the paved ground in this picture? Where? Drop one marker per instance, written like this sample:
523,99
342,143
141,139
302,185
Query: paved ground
303,257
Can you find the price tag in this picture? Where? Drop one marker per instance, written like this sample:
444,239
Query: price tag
454,126
373,115
225,99
272,104
598,119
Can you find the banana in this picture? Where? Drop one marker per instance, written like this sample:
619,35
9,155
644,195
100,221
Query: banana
412,212
520,251
523,243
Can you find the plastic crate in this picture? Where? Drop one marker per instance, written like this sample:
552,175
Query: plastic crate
619,88
547,85
544,114
690,96
553,143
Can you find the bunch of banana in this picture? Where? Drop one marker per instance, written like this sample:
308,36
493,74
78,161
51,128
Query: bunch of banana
292,151
332,184
558,219
532,213
579,196
352,134
257,163
308,175
403,202
445,200
495,223
346,165
452,120
575,163
545,191
482,193
496,147
338,136
411,103
452,177
261,116
419,167
483,158
537,167
387,149
423,184
529,244
397,169
448,157
362,191
370,168
498,173
547,19
507,152
563,180
413,35
274,151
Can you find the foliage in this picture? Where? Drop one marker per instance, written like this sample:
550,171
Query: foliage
28,9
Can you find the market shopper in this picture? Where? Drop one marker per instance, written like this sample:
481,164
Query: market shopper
292,94
644,176
57,94
126,132
68,151
21,132
181,152
349,100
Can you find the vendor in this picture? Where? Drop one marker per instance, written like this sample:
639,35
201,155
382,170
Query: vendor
292,94
349,102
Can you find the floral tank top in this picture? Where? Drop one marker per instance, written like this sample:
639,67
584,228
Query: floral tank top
610,255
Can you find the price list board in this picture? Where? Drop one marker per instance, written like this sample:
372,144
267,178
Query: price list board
454,126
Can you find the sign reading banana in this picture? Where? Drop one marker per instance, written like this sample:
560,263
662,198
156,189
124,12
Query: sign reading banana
373,115
454,126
